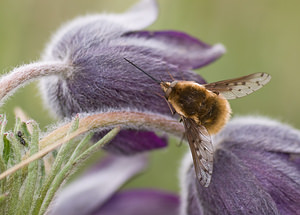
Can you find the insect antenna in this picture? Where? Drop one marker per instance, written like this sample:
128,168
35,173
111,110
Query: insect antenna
157,81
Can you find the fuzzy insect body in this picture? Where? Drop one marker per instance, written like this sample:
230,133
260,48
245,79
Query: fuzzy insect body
204,110
192,100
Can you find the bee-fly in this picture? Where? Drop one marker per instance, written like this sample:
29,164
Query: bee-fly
204,110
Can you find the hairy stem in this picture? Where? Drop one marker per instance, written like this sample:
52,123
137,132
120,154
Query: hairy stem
128,119
26,73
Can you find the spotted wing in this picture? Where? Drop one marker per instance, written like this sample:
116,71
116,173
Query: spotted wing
201,148
239,87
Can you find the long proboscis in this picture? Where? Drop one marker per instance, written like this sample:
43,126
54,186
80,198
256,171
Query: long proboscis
157,81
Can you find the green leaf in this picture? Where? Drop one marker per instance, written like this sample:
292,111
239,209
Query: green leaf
30,185
6,149
64,151
73,163
25,130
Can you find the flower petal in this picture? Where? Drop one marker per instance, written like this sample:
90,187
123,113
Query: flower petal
296,160
99,27
233,190
140,16
137,202
259,133
129,142
277,176
93,189
175,47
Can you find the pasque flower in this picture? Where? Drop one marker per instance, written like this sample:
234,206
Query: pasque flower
99,79
256,171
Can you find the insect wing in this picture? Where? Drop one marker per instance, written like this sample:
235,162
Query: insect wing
201,148
239,87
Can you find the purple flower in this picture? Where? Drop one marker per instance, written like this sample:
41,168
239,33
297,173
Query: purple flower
94,46
96,193
256,171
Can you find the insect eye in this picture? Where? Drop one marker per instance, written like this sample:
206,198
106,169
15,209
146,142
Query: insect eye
168,91
172,85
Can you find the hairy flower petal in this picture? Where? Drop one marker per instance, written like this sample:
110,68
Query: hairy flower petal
93,189
99,27
255,171
140,16
137,202
278,178
233,190
175,47
281,138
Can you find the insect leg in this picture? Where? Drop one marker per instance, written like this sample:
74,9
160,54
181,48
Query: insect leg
181,140
172,111
168,71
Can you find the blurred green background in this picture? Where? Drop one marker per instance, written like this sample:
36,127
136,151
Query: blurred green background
260,36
